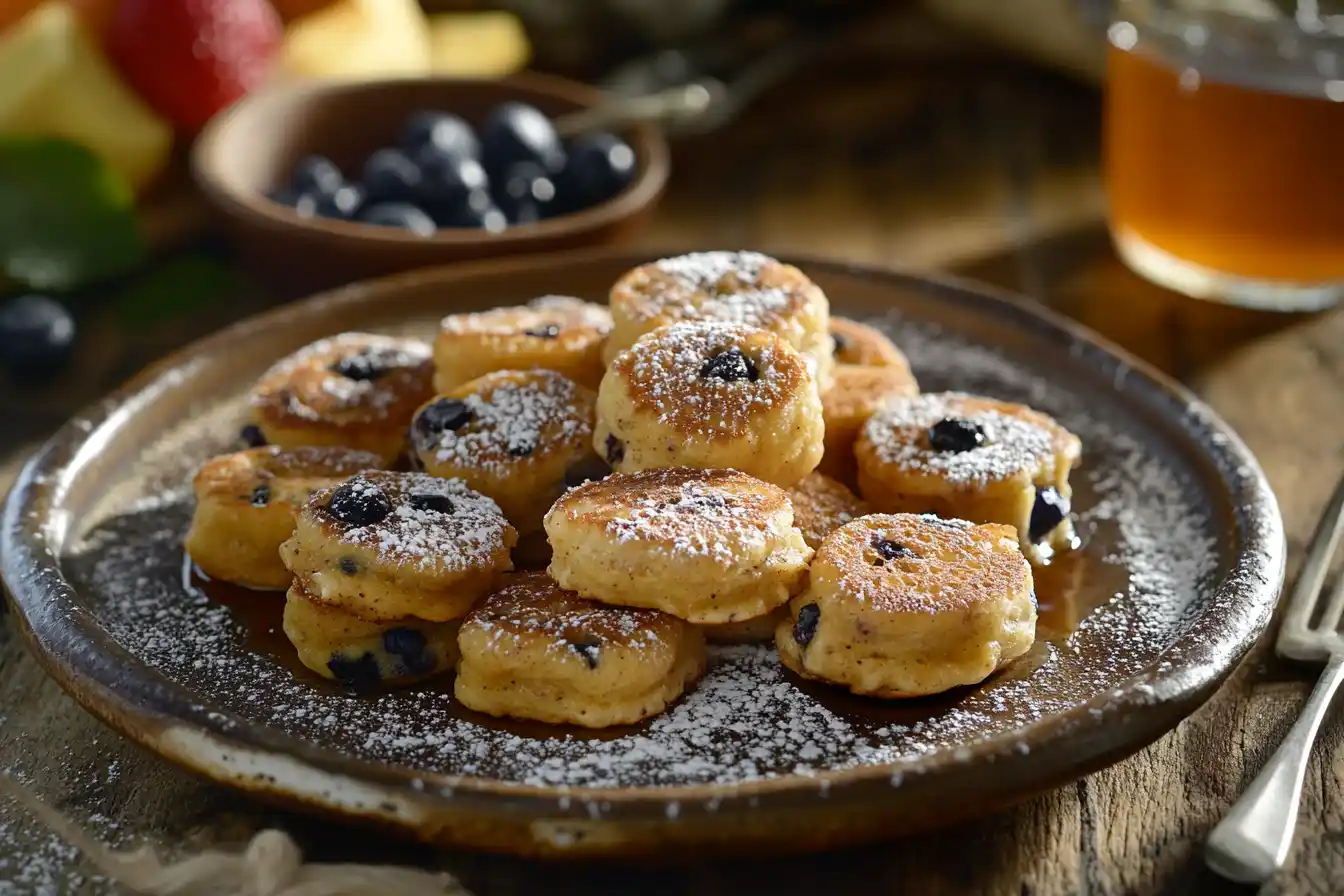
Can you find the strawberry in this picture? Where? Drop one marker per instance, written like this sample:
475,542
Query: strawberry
191,58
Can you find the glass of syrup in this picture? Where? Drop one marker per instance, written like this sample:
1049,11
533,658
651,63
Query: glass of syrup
1224,148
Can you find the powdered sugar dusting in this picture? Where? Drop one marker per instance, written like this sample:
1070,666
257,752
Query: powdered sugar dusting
35,861
513,419
664,373
412,537
1148,540
697,520
306,386
566,313
705,271
728,287
1013,446
535,609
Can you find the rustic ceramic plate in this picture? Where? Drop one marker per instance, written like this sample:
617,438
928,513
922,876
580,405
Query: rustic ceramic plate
1182,562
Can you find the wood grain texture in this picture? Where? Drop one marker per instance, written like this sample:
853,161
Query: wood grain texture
987,172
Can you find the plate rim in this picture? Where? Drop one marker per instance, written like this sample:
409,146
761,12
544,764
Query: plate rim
1258,567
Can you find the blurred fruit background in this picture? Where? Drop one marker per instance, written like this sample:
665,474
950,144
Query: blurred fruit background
104,241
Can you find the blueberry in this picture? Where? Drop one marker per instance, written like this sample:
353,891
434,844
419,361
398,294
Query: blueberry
478,212
251,436
37,335
586,646
411,648
599,167
398,214
841,343
261,495
522,448
452,183
359,504
431,503
517,132
317,175
348,566
359,674
1048,512
730,365
956,435
438,134
890,550
435,419
805,629
367,364
467,211
615,450
525,193
391,176
548,331
305,205
341,205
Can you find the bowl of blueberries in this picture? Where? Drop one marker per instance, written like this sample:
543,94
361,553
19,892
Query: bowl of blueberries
327,182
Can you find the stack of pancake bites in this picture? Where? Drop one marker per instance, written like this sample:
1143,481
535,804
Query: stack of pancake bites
672,469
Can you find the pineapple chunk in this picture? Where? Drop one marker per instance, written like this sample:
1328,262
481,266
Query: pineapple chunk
55,82
358,39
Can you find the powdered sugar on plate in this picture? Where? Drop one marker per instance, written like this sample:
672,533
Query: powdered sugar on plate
1150,553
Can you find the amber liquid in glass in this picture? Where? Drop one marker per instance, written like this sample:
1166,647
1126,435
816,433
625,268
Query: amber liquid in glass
1240,180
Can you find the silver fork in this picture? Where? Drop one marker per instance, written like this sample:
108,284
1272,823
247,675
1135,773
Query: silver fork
1251,843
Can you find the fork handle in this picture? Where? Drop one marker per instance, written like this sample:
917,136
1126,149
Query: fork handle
1251,843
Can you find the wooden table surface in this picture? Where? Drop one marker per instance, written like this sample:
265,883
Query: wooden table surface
985,170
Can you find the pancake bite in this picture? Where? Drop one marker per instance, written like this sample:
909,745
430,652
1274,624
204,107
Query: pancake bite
905,606
356,389
364,655
713,396
245,506
520,437
744,288
385,546
863,346
559,333
972,458
821,505
707,546
535,651
855,394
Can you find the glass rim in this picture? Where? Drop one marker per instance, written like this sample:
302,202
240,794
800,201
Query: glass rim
1300,58
1174,16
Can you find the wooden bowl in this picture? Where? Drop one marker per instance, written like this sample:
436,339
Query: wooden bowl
252,148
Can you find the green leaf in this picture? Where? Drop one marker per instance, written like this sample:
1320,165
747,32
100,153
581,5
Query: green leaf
66,218
176,288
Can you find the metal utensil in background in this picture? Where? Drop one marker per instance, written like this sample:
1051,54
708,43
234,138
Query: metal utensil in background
1251,843
678,91
675,108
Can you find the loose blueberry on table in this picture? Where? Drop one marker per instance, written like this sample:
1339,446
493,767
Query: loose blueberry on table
37,335
441,174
